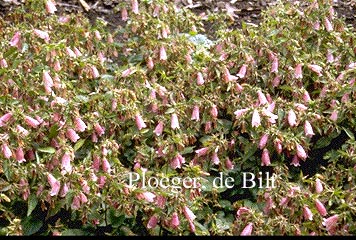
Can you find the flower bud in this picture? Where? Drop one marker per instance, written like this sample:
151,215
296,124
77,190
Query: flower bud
298,71
50,7
307,213
72,135
174,121
320,207
308,130
265,160
256,120
200,79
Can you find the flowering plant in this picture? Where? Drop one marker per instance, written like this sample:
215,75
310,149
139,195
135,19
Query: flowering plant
82,107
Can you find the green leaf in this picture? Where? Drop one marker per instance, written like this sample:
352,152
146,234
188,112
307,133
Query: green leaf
30,225
47,150
53,131
79,144
7,169
201,230
187,150
74,232
170,110
11,51
225,204
322,142
349,133
32,203
107,77
221,224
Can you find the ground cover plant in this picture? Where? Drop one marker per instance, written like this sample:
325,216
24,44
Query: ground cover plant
84,107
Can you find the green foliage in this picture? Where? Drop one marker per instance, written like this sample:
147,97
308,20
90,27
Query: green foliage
81,109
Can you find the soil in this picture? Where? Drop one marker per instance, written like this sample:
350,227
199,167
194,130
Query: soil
243,10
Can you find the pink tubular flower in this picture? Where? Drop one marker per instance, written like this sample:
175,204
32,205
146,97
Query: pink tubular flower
150,63
308,130
64,190
265,160
5,118
54,183
202,151
330,223
318,186
152,222
278,146
3,63
200,79
48,82
295,161
177,161
329,56
320,207
94,72
238,113
307,213
20,155
261,98
175,220
31,122
316,68
6,151
97,35
159,128
256,120
162,53
242,210
276,81
214,111
263,141
284,201
148,196
134,5
227,76
106,165
229,165
333,116
50,7
247,230
57,66
161,201
41,34
215,158
76,202
72,135
70,53
188,214
192,227
66,158
195,113
83,199
124,15
298,71
174,121
274,67
15,41
242,71
292,118
22,130
99,129
300,152
328,25
126,72
139,122
80,126
306,97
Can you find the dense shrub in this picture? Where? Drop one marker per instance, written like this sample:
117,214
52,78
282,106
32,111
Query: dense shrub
84,107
